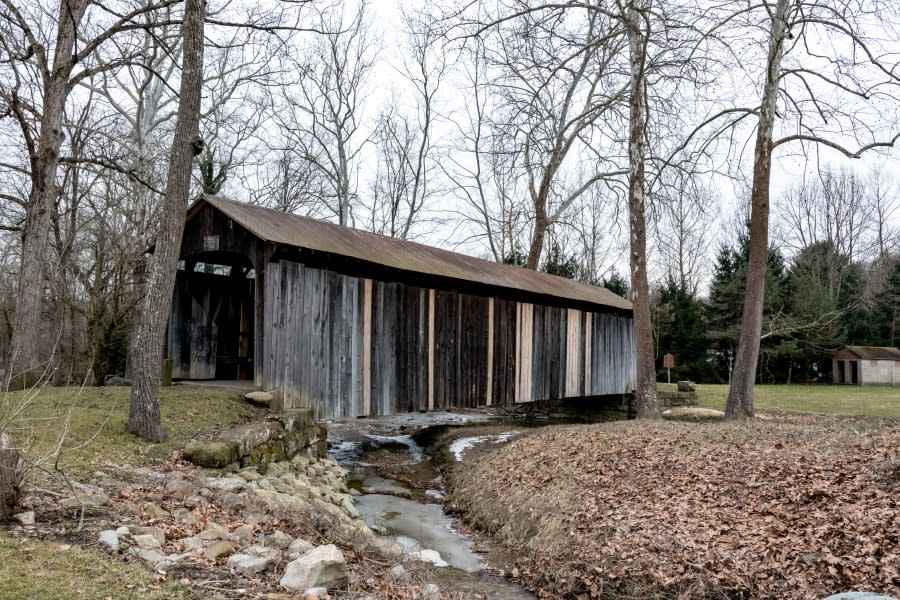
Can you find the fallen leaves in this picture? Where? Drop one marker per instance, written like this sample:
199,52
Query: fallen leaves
799,508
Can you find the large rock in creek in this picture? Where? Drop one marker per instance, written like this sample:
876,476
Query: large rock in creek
323,566
280,437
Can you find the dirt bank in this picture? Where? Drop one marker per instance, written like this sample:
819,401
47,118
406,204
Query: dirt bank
797,508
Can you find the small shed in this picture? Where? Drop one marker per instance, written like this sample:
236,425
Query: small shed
352,323
866,365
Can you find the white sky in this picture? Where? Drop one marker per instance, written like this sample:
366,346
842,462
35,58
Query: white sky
789,168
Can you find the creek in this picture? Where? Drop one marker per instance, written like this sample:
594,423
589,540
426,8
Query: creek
401,495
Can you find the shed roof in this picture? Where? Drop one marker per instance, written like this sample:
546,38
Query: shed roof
874,352
303,232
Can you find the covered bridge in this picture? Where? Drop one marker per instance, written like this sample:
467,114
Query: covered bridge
352,323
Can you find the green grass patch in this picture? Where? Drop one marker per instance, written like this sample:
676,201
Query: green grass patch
855,401
88,424
34,569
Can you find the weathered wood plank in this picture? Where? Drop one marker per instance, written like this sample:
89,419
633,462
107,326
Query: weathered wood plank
573,339
489,392
367,348
431,349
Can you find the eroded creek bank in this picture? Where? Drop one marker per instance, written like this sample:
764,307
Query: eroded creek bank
401,491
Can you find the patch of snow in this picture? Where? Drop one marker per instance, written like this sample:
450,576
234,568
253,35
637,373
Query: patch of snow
458,447
430,556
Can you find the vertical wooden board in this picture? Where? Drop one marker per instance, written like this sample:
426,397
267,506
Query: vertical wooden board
390,345
498,352
367,348
333,315
260,317
540,379
291,301
269,327
297,334
573,347
356,361
431,349
422,351
293,341
348,321
279,340
456,358
401,351
489,387
510,345
562,316
277,345
519,362
377,352
524,342
288,317
305,334
447,319
588,358
273,302
323,375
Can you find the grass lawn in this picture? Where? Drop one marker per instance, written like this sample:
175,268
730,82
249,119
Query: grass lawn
88,424
47,570
876,402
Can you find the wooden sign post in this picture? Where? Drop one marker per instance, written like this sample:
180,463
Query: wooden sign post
669,364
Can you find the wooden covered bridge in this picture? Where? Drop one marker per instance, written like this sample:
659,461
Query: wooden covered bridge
352,323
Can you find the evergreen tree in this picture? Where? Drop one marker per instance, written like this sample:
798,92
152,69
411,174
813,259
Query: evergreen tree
682,331
557,263
726,307
886,311
824,308
615,283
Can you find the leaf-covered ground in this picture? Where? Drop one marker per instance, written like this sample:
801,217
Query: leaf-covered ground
793,507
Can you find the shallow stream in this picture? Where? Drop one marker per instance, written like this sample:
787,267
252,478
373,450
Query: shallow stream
401,496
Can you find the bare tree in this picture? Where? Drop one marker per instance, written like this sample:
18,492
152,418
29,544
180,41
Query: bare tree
143,416
883,203
321,116
40,73
553,72
407,165
683,226
481,174
822,95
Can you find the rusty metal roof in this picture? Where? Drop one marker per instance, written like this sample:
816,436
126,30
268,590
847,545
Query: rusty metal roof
875,352
303,232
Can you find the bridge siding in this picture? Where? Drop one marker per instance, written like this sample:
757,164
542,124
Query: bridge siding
349,346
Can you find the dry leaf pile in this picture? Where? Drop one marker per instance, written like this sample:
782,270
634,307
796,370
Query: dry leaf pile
775,509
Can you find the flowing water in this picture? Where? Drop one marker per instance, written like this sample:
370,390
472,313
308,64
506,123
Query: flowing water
400,499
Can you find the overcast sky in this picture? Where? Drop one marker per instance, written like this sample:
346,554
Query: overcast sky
789,167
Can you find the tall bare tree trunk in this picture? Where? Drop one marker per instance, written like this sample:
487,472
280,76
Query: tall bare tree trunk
10,476
540,229
144,416
740,392
25,363
646,397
